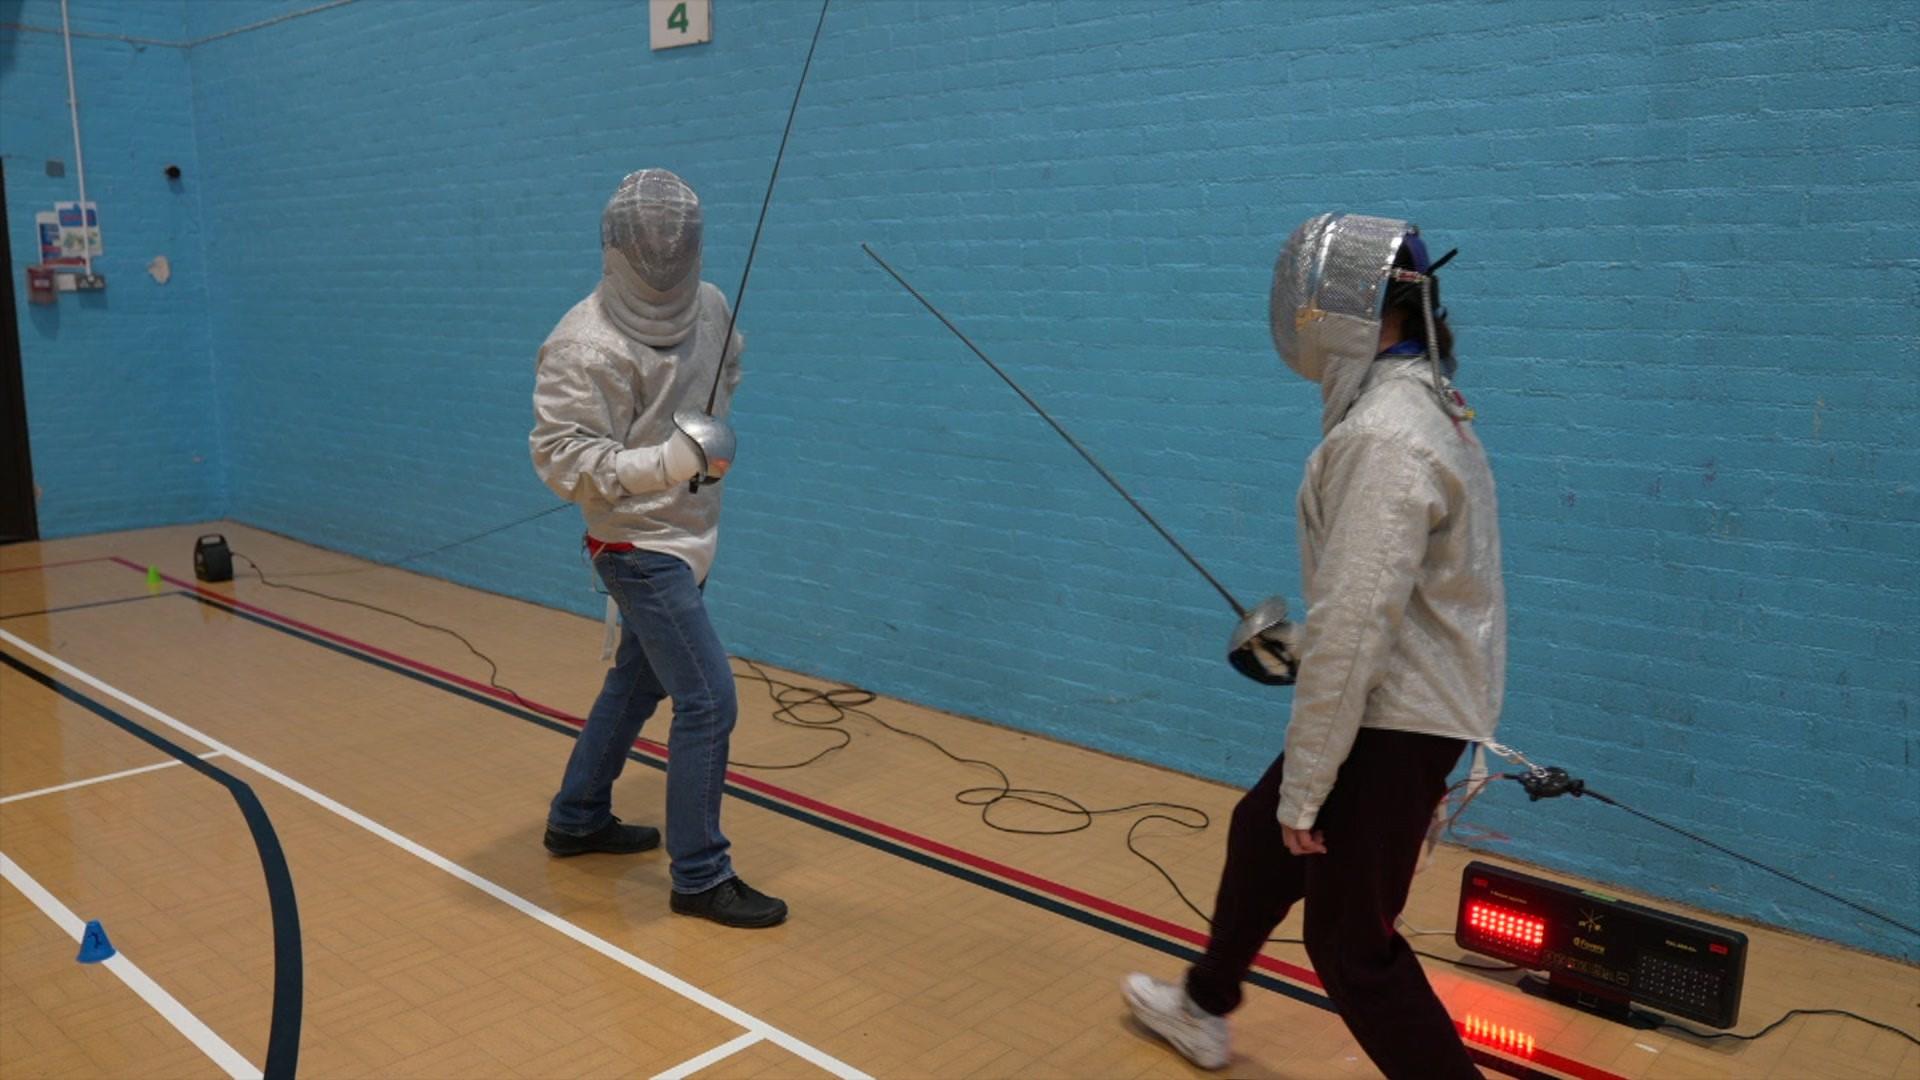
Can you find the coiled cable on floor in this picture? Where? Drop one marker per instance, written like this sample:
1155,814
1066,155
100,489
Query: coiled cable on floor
841,702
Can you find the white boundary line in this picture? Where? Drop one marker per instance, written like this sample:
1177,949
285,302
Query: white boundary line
718,1054
513,900
99,779
151,992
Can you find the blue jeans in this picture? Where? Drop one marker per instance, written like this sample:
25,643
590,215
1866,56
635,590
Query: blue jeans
667,649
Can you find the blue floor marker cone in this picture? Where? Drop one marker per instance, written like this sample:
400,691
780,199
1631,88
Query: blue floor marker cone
94,946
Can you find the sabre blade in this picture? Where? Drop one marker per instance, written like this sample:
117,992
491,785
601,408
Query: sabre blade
740,294
1238,608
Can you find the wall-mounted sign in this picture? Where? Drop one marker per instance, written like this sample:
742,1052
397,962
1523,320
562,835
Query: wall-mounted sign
47,223
680,22
77,237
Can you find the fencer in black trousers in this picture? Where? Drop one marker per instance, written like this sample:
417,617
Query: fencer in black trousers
1373,826
1399,664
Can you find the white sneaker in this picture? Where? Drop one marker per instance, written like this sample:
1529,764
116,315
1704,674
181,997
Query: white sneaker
1168,1012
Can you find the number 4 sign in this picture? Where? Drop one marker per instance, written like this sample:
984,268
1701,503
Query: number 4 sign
681,22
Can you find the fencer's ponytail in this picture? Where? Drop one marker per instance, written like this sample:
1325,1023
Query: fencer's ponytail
1404,298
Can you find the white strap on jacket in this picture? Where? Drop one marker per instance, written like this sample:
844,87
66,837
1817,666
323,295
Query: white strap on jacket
612,636
1477,778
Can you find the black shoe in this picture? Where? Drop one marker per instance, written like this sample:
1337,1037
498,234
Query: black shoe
613,838
732,903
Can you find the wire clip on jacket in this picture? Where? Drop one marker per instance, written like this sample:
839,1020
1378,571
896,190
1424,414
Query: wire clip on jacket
1550,783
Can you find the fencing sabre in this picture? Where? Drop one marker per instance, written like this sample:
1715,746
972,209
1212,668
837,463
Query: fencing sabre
1539,783
1265,625
703,421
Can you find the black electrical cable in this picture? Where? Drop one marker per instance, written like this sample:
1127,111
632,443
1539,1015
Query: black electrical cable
848,701
789,699
1753,862
493,669
1666,1025
844,701
1459,963
1553,782
418,555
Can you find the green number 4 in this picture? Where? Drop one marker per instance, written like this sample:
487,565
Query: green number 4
678,20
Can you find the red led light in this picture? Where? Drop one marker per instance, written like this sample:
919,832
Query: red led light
1512,1040
1718,948
1508,927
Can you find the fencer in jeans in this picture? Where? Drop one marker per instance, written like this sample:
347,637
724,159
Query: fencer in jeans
668,648
631,395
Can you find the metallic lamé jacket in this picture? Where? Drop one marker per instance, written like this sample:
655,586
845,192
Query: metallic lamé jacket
599,391
1406,624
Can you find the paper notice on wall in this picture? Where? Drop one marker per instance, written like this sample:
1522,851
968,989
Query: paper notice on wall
78,237
47,223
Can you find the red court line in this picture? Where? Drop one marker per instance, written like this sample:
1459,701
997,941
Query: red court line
848,817
373,650
840,814
68,562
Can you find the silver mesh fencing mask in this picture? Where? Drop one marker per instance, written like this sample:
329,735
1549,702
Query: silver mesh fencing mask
1329,286
650,256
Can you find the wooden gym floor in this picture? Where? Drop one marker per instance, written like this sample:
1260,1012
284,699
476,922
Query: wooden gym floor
437,939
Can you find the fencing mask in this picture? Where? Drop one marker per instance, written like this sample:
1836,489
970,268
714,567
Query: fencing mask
1329,289
650,255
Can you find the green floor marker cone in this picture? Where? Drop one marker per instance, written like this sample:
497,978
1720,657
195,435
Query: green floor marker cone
153,577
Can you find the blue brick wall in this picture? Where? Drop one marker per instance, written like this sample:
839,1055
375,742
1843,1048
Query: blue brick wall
119,384
1686,304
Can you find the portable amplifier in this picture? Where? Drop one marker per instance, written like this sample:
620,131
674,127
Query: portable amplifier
212,559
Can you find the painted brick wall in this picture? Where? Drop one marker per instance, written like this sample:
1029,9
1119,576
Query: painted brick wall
119,384
1686,302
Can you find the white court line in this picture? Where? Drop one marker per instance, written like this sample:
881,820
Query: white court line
163,1003
719,1053
513,900
99,779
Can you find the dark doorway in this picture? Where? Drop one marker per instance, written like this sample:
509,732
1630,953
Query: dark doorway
17,518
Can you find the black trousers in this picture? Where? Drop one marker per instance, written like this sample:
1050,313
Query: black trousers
1374,822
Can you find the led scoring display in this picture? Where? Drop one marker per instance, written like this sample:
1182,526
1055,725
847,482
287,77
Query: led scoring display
1602,953
1506,927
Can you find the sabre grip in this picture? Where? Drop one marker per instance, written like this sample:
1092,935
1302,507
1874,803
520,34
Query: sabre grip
1264,644
715,440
